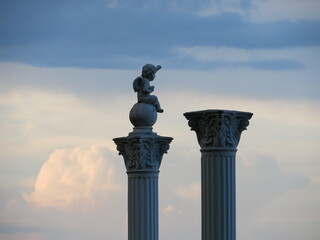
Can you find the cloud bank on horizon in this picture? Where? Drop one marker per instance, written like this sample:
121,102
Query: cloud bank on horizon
66,72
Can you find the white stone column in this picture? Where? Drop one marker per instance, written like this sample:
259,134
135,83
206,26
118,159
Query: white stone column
143,205
218,133
142,151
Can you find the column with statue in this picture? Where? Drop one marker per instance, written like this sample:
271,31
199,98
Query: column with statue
142,151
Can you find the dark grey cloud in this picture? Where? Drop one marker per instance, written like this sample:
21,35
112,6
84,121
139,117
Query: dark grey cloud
89,34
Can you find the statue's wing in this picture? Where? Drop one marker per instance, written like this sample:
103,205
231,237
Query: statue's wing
137,84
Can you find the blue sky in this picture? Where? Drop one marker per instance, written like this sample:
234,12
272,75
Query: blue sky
66,72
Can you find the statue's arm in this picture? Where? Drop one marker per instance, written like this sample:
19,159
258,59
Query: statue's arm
146,88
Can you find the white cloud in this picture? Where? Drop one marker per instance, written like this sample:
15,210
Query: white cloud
169,209
72,175
266,10
22,220
315,180
261,184
218,7
293,215
255,10
287,128
227,54
65,80
28,182
191,191
275,10
22,236
112,4
36,122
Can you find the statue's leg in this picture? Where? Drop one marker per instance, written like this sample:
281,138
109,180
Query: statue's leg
158,107
153,100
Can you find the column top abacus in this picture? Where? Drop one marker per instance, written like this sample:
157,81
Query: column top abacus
218,129
142,152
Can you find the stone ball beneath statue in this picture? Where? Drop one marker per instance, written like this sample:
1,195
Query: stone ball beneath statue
143,115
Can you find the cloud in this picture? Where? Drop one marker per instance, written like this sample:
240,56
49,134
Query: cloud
22,220
51,111
189,192
73,175
261,181
291,211
64,80
265,10
285,59
260,168
294,10
22,236
112,4
227,54
93,35
169,209
52,119
219,7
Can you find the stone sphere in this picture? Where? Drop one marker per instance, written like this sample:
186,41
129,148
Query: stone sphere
143,115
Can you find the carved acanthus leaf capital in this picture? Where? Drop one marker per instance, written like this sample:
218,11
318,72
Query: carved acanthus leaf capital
218,128
142,153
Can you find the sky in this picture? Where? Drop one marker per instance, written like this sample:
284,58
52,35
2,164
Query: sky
66,73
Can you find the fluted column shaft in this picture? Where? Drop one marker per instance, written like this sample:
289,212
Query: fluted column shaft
218,133
218,194
143,206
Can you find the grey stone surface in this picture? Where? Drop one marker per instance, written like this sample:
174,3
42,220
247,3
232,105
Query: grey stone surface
218,133
143,152
144,112
218,128
141,85
218,199
143,205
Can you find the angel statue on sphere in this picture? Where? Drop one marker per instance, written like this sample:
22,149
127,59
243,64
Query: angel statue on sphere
141,85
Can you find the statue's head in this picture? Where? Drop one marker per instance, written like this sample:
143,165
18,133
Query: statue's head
149,71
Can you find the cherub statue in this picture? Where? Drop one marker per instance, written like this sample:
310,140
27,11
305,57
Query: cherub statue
141,85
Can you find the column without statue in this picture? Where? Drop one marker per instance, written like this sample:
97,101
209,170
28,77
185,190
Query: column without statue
218,133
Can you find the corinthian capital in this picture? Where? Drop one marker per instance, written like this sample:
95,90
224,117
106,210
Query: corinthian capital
142,153
218,128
